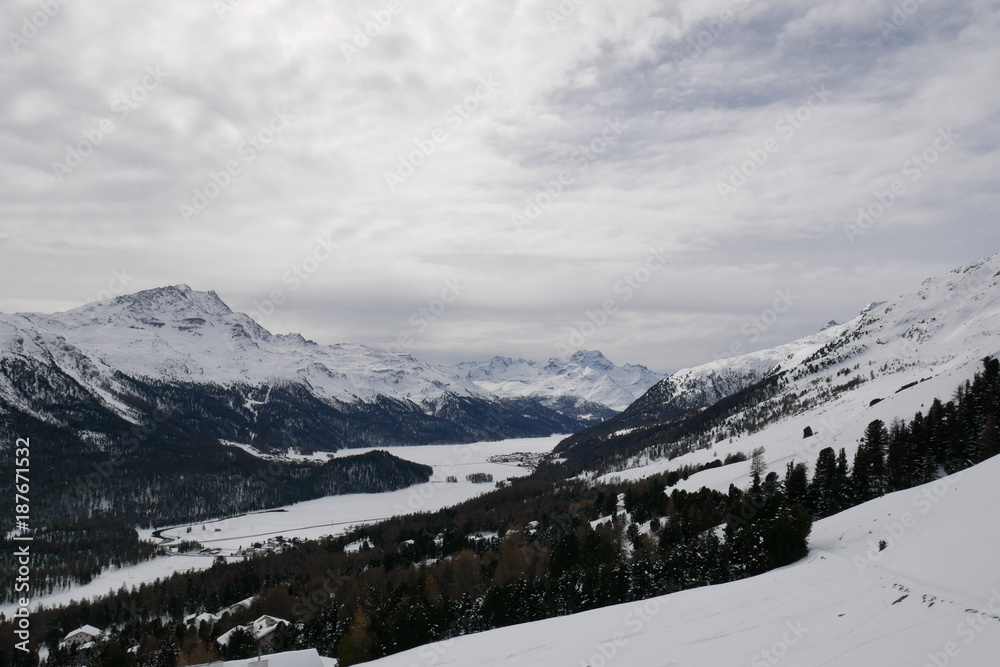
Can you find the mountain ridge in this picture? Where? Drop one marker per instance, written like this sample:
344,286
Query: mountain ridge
949,320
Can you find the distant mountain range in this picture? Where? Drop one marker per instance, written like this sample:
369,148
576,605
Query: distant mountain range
186,356
587,380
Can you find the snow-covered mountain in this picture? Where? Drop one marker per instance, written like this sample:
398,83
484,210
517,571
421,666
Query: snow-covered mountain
186,355
585,379
940,331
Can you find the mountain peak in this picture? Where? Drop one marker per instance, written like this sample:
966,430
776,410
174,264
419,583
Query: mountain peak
178,300
872,306
592,358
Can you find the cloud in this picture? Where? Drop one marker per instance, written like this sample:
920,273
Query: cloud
490,104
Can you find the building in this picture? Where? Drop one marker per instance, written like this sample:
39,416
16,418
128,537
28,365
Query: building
262,630
82,637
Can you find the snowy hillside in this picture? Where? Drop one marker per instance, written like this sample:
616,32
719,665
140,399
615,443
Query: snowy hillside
931,597
587,375
904,352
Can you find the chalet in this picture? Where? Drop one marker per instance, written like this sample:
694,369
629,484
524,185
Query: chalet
620,507
82,637
262,630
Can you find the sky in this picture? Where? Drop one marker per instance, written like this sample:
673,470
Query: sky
657,180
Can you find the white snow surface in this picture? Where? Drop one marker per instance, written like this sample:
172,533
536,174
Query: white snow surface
305,658
312,519
932,595
587,374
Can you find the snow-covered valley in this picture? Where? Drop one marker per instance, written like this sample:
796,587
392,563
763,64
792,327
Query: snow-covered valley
313,519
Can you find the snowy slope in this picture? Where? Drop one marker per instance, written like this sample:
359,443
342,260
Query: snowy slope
586,375
931,598
905,352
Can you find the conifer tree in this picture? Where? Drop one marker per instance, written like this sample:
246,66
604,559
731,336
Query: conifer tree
899,458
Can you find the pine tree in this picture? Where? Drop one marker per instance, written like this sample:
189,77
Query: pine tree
358,645
989,440
757,466
241,645
869,478
842,482
797,483
899,459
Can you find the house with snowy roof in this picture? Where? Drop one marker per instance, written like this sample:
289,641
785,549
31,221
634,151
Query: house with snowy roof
261,629
82,637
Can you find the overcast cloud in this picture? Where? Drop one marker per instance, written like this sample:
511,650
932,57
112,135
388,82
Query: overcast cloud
617,120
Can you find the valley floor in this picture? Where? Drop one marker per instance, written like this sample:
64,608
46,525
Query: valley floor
332,515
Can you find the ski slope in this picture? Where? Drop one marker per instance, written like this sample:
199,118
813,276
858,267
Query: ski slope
932,597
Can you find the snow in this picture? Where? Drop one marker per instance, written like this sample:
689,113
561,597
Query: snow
181,335
934,593
587,375
88,630
290,455
337,514
312,519
304,658
935,337
176,334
